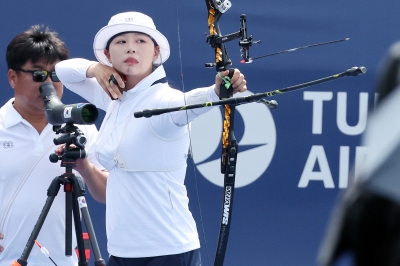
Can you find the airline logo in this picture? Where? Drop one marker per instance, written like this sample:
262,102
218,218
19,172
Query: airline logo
256,146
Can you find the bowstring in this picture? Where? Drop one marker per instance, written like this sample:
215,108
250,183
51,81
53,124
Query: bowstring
190,152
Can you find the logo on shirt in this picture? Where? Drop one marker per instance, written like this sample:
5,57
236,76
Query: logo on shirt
8,144
254,130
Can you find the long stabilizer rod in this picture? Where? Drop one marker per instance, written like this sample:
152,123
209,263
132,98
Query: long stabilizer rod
354,71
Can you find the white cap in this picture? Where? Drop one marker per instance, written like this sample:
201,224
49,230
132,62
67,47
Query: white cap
125,22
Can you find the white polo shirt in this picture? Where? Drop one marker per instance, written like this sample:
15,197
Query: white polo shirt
147,205
26,174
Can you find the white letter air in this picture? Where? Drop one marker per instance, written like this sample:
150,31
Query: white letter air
317,154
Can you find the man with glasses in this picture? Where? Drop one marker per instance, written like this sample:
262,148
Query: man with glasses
40,75
26,141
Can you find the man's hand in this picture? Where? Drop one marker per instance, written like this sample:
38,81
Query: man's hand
81,164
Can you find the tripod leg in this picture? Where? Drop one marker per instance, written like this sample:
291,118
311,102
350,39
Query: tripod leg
80,192
78,231
68,219
92,236
51,194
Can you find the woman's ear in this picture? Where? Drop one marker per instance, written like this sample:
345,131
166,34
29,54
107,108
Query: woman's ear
107,54
156,53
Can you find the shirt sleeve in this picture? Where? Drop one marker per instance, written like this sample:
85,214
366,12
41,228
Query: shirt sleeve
196,96
72,73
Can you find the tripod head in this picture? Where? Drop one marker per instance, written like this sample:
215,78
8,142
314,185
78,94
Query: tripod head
74,141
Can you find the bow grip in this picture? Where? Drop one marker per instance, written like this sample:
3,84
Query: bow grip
225,92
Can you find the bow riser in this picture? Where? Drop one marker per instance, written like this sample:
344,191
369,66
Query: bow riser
229,144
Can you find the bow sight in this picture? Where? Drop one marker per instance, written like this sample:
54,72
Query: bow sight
216,40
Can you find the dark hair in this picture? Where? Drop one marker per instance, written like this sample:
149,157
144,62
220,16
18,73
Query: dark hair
125,32
36,44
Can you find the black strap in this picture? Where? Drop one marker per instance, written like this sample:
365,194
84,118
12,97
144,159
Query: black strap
161,80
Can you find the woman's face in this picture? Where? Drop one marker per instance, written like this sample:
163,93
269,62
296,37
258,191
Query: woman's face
132,54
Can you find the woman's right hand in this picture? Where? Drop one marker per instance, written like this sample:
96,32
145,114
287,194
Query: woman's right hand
103,73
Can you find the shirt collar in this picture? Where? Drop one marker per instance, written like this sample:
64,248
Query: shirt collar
9,115
145,83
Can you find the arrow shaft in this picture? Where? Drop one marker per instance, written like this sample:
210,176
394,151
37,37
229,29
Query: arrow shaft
302,47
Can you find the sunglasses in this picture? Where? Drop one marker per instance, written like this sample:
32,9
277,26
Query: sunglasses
41,75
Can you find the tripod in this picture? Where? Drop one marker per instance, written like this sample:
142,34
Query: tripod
74,198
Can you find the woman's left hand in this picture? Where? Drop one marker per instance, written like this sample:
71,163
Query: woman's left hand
237,80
